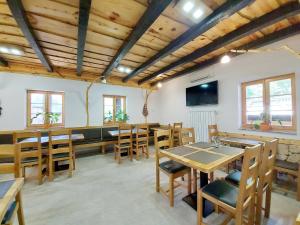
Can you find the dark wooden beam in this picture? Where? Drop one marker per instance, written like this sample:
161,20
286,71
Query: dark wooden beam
3,62
267,40
153,11
17,9
268,19
224,11
83,20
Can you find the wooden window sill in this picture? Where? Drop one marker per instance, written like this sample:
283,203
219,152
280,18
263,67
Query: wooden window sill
272,131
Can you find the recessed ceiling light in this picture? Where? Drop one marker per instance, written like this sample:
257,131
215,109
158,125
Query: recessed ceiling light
225,59
121,69
128,70
159,85
4,49
188,6
15,51
198,13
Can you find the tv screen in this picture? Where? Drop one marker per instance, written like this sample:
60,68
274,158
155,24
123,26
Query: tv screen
202,94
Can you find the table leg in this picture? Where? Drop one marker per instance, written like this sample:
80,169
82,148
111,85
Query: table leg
20,209
191,199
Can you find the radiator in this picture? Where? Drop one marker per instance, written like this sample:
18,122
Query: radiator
200,120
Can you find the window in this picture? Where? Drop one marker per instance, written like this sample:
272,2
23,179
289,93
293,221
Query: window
114,108
45,109
273,100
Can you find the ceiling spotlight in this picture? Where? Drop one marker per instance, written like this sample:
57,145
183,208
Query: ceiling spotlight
121,69
15,51
128,70
159,85
198,13
225,59
188,6
103,80
4,49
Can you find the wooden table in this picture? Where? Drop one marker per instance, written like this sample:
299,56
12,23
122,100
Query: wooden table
45,139
10,191
115,133
205,158
243,142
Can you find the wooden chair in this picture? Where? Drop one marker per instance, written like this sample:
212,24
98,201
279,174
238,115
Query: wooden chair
142,140
124,144
31,152
174,170
60,149
231,199
265,174
176,134
212,132
12,152
187,136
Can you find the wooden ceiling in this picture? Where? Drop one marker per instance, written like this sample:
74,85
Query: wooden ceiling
54,25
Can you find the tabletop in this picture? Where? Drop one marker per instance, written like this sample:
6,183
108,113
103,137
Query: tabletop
8,191
202,156
116,132
45,139
241,141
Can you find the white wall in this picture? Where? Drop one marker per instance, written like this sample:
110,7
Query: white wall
170,99
13,100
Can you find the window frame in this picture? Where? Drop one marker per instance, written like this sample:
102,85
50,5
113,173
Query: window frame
47,123
266,100
113,122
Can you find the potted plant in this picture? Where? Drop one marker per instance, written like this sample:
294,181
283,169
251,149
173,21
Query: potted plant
265,125
121,117
109,117
52,117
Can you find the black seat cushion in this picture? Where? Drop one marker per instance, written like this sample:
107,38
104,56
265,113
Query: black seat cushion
9,213
223,191
172,166
234,177
287,165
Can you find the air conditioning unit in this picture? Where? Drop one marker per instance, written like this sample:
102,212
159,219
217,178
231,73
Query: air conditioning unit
201,78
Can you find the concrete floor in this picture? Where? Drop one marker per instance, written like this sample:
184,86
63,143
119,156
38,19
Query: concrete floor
103,192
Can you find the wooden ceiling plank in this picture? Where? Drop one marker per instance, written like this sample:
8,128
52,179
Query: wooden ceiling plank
264,21
84,13
18,12
261,42
151,14
225,10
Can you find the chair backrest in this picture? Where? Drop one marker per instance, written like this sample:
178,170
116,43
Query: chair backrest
60,141
162,140
177,125
267,162
187,136
125,134
32,148
249,175
212,132
142,135
11,153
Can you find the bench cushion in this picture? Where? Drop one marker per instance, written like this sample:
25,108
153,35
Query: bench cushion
9,213
223,191
286,165
172,166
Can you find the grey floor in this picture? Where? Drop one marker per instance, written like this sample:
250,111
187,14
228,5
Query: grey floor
103,192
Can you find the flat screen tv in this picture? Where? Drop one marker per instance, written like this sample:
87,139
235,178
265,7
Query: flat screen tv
202,94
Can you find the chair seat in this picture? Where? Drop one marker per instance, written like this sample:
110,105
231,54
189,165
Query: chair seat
123,145
172,166
9,213
286,165
60,155
223,191
234,177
